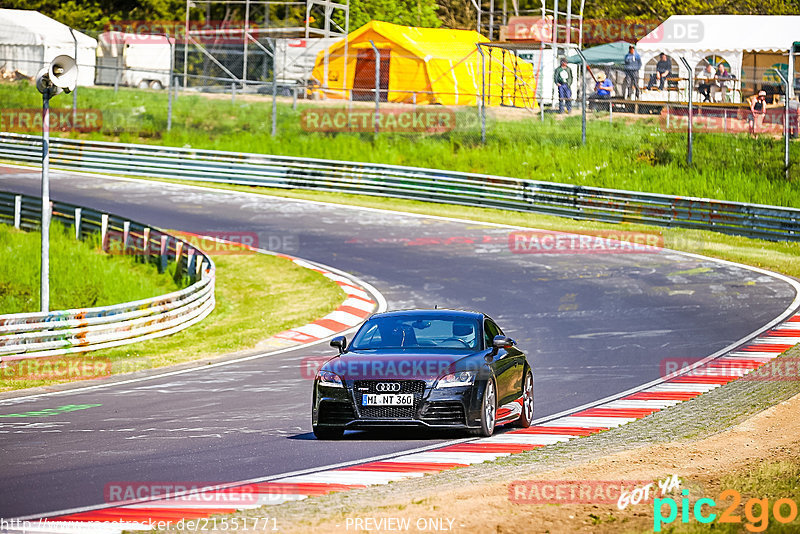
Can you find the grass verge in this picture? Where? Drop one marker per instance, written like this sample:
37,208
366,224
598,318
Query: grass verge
257,296
634,154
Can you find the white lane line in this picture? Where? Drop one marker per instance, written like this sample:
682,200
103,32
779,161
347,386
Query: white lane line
682,388
526,439
450,457
649,403
351,477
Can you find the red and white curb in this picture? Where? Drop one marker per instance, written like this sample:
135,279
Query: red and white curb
692,382
353,311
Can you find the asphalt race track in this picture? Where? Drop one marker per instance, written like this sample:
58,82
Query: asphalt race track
593,325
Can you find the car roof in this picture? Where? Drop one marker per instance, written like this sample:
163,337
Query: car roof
439,311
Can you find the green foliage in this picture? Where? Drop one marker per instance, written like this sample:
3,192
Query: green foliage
405,12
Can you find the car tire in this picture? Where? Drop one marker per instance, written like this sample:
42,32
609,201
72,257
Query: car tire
143,84
526,417
328,432
155,84
488,410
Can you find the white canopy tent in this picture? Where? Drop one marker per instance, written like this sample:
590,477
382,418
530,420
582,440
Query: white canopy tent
30,41
751,45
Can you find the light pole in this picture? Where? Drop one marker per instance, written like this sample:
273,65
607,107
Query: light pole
62,74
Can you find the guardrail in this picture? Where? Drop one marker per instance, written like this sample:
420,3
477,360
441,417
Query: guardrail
35,335
469,189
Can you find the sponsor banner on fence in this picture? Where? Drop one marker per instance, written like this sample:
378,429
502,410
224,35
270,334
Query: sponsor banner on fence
61,120
598,242
64,368
729,121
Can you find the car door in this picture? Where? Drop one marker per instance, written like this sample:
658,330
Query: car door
506,365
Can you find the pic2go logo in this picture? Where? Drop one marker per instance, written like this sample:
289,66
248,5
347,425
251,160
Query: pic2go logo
756,511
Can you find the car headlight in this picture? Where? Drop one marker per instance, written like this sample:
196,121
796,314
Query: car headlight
461,378
327,378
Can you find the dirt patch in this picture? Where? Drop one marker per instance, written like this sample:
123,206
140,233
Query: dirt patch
770,436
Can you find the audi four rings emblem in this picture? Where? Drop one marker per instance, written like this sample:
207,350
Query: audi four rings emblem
386,387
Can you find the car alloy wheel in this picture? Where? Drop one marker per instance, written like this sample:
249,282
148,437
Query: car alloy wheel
526,417
488,409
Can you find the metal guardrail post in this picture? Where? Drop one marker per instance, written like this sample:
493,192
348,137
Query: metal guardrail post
689,139
162,255
126,233
376,119
17,211
103,230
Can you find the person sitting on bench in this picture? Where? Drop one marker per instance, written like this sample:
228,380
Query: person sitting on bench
705,79
663,71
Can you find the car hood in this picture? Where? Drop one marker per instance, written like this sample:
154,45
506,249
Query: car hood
406,364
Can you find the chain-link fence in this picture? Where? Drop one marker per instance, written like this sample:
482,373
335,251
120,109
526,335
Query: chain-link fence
533,115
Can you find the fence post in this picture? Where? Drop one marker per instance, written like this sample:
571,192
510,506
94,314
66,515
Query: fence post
233,93
376,119
146,245
294,98
583,98
275,94
126,232
17,211
785,83
191,268
103,230
691,95
178,254
78,212
482,104
169,103
163,250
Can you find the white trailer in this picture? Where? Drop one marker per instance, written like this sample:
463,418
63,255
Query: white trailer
295,59
133,60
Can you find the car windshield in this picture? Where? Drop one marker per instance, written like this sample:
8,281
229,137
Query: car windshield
417,331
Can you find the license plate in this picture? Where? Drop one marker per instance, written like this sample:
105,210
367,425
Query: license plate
384,399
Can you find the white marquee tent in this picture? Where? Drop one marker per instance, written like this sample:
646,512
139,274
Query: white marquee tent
30,41
750,44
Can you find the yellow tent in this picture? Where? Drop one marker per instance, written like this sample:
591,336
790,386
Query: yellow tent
426,65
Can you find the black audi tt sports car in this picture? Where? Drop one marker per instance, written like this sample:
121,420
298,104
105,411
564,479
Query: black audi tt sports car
428,368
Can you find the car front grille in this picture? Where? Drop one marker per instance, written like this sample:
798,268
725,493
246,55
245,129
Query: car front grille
335,413
443,413
417,387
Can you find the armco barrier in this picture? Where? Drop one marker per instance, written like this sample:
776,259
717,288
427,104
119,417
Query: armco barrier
469,189
34,335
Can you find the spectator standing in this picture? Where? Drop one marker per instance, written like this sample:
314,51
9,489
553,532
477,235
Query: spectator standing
663,71
633,62
563,80
706,79
758,110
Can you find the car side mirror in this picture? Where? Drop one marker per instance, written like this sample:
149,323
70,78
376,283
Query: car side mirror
340,342
502,342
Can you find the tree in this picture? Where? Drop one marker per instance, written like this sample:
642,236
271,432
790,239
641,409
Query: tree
406,12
